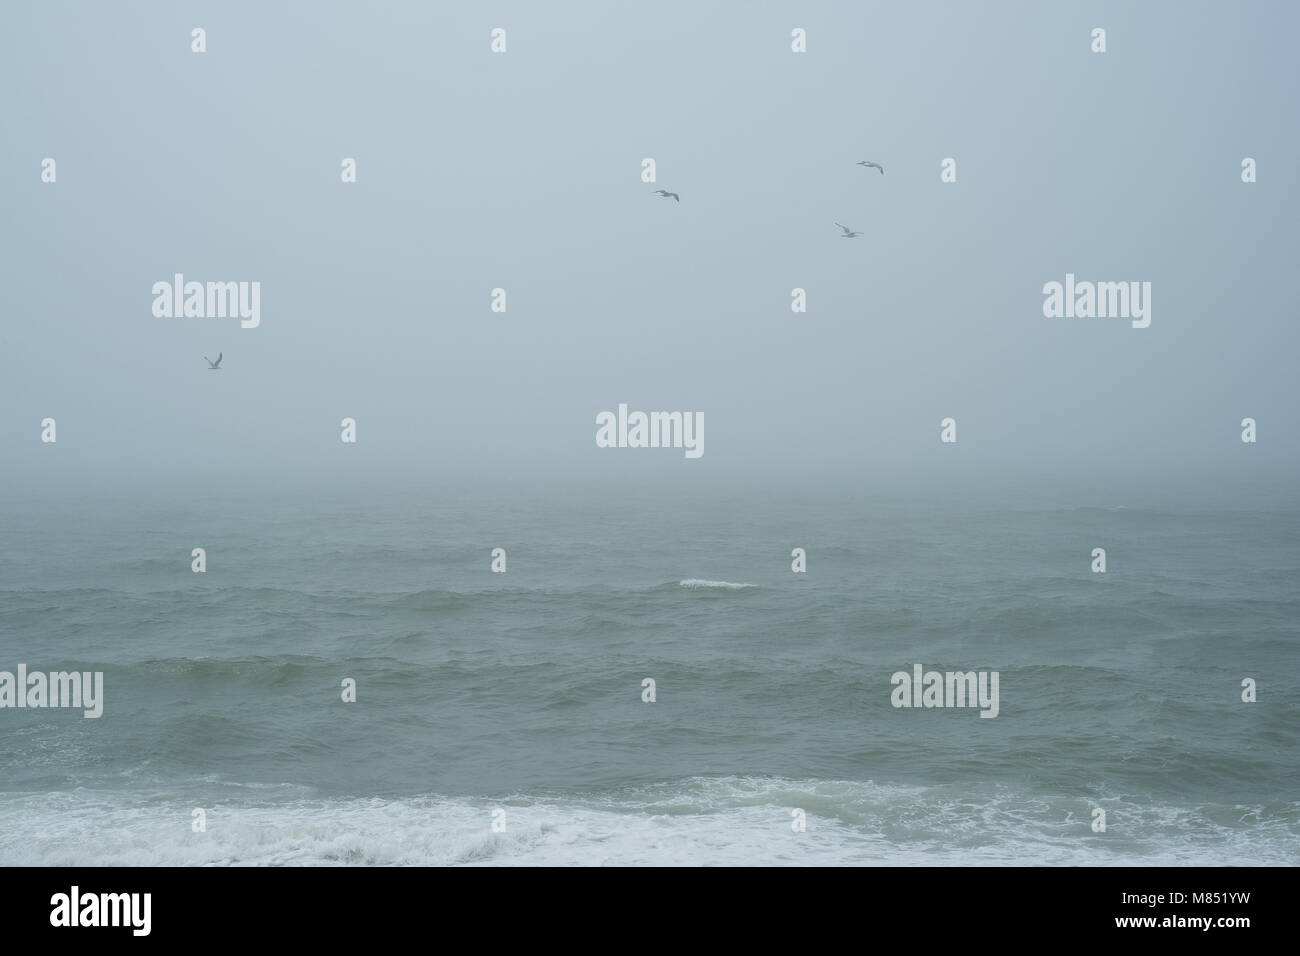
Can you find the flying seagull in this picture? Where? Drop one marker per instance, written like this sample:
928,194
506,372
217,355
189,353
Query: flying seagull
215,366
666,194
848,233
863,162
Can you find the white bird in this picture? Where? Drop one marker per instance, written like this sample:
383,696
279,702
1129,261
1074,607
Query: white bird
667,195
215,366
848,233
863,162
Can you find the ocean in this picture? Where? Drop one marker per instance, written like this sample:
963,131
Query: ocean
499,717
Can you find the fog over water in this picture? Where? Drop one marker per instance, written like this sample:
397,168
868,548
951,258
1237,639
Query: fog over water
209,543
522,170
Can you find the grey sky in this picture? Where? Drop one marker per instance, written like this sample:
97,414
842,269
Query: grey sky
522,171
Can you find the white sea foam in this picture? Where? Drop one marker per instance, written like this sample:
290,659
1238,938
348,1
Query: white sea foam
727,585
723,821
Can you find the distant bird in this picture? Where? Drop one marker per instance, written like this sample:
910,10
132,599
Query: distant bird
667,195
863,162
848,233
215,366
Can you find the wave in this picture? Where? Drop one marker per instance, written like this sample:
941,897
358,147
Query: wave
724,585
701,820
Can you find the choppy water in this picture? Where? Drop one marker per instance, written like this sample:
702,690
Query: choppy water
522,691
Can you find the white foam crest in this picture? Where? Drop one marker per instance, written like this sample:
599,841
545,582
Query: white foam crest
727,585
738,821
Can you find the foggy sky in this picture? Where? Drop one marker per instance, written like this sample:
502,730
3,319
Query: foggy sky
522,170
